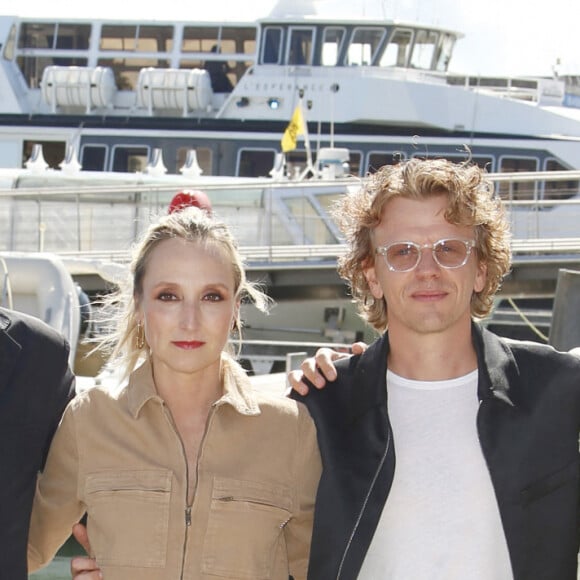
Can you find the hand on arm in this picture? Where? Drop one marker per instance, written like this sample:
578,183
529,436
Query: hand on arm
320,369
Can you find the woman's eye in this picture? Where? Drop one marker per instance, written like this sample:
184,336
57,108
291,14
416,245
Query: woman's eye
213,297
166,296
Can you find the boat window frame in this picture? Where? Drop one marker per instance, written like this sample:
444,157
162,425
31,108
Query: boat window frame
547,189
9,49
308,59
376,50
104,146
418,64
444,51
214,41
118,146
515,194
409,46
264,44
340,50
241,150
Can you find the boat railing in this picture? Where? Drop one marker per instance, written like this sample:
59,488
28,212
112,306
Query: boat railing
542,246
291,255
523,89
280,222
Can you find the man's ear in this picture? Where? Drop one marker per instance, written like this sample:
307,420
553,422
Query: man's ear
370,273
480,277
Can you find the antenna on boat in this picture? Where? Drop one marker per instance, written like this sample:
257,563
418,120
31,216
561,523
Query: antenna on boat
36,161
156,166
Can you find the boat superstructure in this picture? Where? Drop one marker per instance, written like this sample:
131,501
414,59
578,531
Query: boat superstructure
218,96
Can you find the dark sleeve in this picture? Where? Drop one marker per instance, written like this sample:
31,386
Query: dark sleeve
60,383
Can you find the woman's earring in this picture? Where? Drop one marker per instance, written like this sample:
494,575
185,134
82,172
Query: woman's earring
140,340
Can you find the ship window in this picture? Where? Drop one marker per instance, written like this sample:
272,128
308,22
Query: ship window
559,189
376,160
354,162
204,159
271,52
130,159
363,46
255,162
54,36
200,38
36,35
155,39
331,45
240,40
10,44
115,37
424,49
300,46
93,157
137,38
444,51
518,190
73,36
397,51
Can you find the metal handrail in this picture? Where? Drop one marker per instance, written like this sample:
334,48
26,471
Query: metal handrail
330,252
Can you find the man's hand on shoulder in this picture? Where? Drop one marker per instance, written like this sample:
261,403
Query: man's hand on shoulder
319,369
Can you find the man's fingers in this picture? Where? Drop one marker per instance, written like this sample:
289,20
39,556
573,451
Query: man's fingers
359,347
79,531
83,568
319,369
295,380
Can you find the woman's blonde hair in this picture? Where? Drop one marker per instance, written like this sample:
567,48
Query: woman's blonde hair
124,341
472,202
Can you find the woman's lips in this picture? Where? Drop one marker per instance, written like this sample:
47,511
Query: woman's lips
188,344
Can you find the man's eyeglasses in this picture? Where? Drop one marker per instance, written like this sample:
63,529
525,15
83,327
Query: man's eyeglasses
405,256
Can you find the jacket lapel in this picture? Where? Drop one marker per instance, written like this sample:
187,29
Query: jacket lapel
497,366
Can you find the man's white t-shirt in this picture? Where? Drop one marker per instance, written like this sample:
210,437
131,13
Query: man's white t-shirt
441,520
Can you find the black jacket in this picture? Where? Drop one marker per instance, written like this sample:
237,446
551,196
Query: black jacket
35,386
528,424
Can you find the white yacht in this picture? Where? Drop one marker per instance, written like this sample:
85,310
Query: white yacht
217,96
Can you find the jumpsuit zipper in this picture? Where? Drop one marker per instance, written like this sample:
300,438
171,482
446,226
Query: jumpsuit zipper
188,504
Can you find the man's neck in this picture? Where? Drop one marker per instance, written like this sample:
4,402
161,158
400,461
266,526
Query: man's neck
431,356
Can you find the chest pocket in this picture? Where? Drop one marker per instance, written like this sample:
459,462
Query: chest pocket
551,483
245,532
128,516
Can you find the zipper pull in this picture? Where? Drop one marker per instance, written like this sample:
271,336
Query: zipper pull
284,523
188,516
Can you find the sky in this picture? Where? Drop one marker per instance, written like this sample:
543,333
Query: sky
502,37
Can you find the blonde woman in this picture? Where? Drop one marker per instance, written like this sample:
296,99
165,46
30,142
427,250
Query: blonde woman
184,471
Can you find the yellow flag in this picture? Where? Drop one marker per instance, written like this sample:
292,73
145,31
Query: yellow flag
295,128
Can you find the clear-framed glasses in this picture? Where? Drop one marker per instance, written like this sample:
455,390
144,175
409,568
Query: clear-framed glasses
405,256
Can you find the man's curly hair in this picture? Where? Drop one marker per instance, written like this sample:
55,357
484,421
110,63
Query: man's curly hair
472,202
